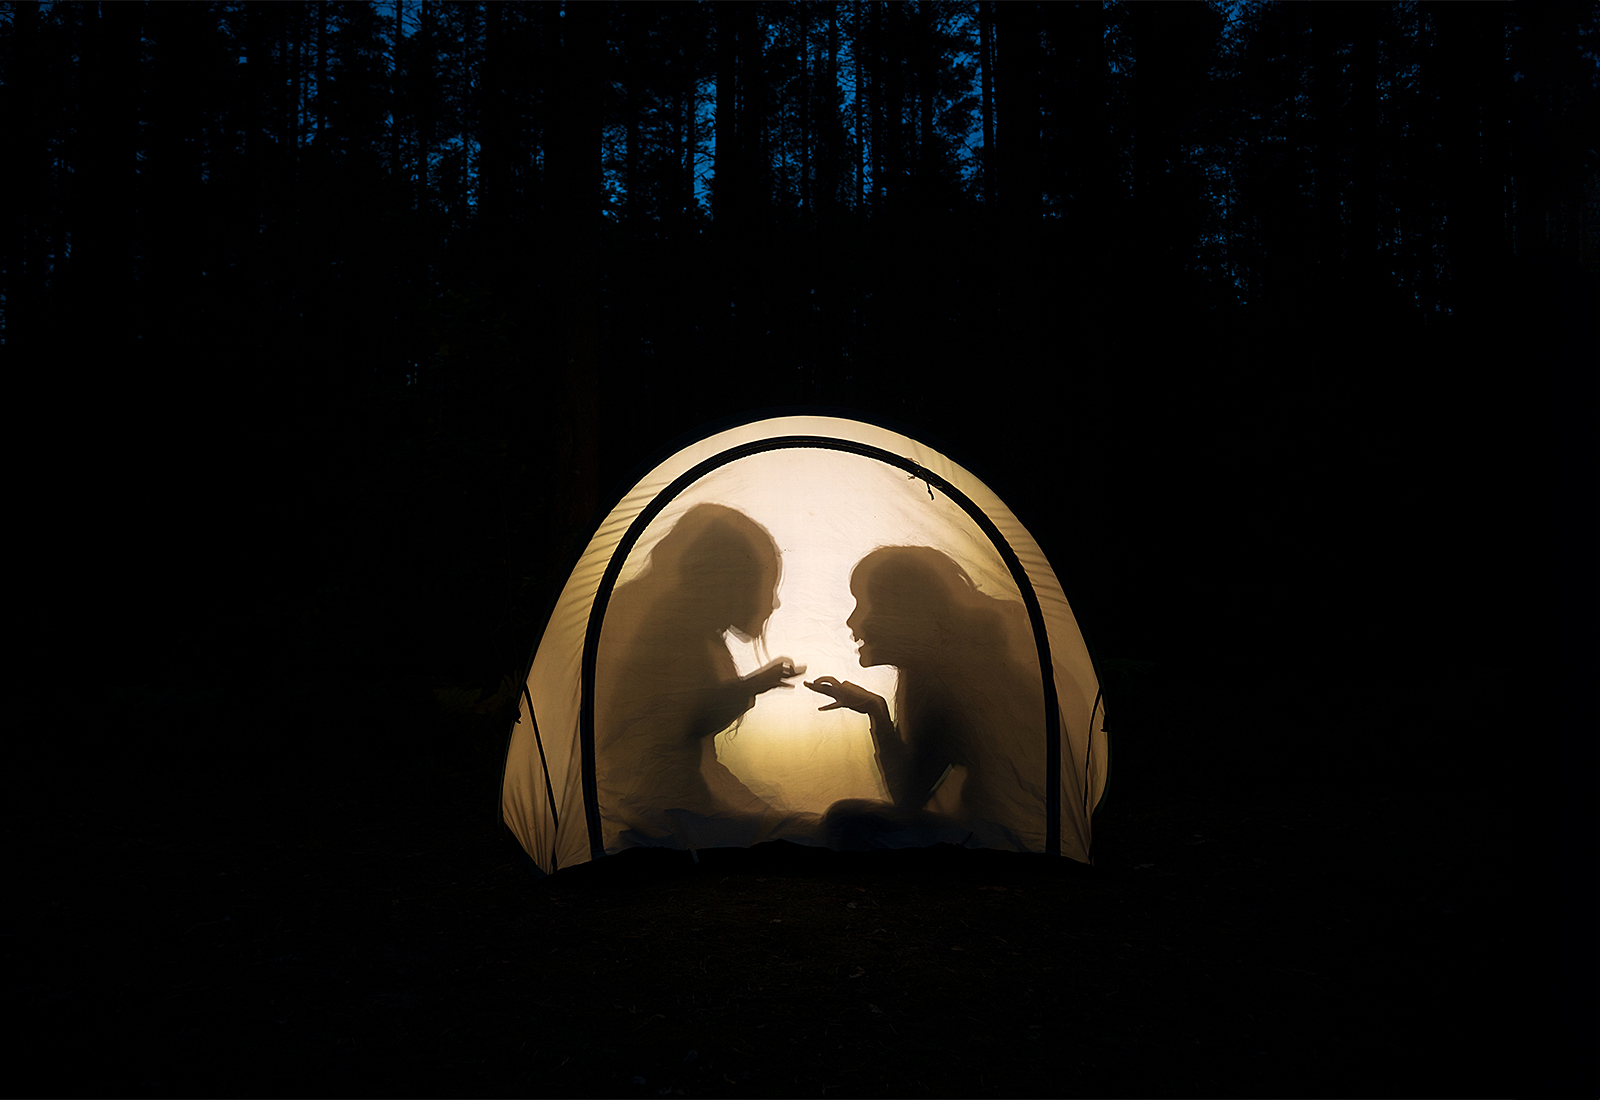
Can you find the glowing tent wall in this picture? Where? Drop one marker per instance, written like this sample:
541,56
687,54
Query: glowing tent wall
830,491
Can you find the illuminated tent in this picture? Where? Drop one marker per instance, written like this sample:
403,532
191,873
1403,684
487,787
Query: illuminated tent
654,712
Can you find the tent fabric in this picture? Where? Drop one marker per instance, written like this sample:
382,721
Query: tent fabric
687,689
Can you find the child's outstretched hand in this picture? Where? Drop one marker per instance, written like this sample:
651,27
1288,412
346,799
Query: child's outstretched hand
844,694
774,674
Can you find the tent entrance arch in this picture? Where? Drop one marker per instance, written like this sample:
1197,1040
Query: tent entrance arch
829,491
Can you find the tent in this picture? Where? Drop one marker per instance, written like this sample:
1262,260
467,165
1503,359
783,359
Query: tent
815,629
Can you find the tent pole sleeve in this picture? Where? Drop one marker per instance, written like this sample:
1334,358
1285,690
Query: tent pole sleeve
1019,574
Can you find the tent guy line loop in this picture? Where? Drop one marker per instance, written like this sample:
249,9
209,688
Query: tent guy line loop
917,472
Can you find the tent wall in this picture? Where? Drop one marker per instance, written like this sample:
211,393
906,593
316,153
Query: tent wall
556,678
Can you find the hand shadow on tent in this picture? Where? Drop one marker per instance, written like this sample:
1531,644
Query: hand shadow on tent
963,756
666,685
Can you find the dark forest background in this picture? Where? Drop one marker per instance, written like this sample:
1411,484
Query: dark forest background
1261,315
1274,322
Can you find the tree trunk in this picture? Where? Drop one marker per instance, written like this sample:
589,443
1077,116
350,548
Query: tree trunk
986,80
397,99
494,148
633,179
750,268
724,191
858,219
575,193
690,92
422,78
727,195
806,195
1361,236
1017,110
22,105
893,60
861,137
829,153
1471,81
320,114
688,27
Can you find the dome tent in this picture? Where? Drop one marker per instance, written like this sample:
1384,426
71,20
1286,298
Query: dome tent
639,725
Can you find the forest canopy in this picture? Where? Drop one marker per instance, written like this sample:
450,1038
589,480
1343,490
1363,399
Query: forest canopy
384,155
472,262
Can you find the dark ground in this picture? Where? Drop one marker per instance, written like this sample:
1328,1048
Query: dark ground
283,923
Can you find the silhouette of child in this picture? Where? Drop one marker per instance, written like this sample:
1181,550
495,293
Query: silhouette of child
665,683
963,753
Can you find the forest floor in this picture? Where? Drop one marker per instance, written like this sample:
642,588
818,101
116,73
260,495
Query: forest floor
371,930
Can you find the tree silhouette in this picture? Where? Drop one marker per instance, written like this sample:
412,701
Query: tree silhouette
579,230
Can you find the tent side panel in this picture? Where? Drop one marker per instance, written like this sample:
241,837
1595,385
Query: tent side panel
554,683
1077,689
1075,680
524,804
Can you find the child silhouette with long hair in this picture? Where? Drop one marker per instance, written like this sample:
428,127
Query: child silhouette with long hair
962,752
666,685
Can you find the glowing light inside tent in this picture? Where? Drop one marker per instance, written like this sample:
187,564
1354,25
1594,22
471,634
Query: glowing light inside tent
826,510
